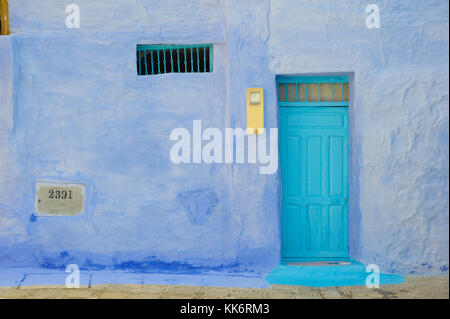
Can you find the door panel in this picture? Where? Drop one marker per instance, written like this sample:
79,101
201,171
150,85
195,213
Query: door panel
314,160
336,165
314,165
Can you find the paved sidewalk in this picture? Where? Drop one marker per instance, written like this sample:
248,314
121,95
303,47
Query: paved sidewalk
413,287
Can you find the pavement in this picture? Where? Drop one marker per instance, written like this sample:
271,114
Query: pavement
414,287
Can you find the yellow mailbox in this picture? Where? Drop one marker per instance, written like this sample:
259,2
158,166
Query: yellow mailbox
4,19
255,111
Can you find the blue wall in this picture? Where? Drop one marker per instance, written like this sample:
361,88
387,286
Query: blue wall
73,109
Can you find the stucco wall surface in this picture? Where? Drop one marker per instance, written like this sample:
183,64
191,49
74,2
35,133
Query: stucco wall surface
73,110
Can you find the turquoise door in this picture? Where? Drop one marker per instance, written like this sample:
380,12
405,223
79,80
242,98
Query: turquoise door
314,167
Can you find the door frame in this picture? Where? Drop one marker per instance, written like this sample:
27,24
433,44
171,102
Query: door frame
343,103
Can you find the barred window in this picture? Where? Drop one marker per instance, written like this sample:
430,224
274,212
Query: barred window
326,91
160,59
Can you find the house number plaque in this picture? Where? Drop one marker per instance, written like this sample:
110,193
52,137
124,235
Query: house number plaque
59,199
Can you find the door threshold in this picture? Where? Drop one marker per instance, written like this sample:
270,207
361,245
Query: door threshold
319,263
290,259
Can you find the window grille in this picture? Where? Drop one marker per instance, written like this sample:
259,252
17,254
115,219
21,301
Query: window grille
160,59
313,91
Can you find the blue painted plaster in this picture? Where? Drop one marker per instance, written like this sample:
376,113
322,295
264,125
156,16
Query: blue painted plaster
19,277
72,109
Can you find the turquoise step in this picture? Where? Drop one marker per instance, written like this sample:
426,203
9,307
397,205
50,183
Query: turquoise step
323,276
